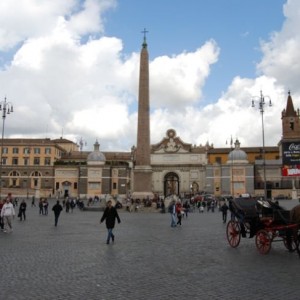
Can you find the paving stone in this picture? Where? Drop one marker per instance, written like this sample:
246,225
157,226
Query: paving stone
149,260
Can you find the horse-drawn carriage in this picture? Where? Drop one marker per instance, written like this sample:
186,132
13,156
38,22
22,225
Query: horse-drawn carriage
266,221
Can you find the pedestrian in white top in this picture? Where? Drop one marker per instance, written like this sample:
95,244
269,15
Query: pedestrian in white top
7,214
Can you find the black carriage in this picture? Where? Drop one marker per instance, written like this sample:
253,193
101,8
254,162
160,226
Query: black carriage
264,220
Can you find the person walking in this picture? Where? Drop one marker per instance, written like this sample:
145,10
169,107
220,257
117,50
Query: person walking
172,211
41,206
110,215
1,219
57,208
67,205
7,214
201,209
178,213
22,210
224,209
45,206
186,207
33,201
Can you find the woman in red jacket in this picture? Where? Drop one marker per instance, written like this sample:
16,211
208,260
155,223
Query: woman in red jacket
178,212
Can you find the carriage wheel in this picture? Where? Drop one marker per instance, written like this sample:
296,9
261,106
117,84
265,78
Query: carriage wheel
233,233
263,241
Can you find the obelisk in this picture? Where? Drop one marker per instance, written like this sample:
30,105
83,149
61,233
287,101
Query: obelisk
142,186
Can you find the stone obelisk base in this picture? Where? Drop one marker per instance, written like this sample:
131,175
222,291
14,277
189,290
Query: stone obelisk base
142,183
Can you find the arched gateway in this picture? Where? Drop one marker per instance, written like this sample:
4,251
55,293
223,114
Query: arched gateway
171,184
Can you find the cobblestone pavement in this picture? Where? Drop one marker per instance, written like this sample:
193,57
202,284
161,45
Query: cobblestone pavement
149,260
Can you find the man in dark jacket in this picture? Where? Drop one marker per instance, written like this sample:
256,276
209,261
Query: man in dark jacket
224,209
110,215
22,210
57,208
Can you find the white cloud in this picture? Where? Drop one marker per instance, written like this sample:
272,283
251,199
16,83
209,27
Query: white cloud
88,19
21,19
281,58
232,113
178,81
89,89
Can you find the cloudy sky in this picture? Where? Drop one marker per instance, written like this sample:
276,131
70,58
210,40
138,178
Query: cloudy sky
71,67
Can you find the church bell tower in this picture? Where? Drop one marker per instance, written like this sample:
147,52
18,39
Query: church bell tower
290,121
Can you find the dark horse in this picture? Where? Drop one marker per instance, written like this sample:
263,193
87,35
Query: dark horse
295,214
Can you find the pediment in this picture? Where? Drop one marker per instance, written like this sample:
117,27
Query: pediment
171,144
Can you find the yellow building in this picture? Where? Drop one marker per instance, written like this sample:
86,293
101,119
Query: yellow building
27,165
220,155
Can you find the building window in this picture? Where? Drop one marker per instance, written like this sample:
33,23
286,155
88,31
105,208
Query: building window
36,182
26,151
239,186
94,185
15,150
5,150
47,150
57,185
36,161
47,161
217,173
14,160
14,173
238,172
37,151
218,160
75,185
114,186
4,160
26,161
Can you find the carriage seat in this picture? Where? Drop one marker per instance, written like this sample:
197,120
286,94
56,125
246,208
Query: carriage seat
245,208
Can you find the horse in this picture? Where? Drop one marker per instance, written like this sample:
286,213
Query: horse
295,214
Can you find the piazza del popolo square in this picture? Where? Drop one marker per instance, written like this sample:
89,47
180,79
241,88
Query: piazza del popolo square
60,168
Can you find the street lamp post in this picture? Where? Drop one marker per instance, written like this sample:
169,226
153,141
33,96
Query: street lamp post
261,105
6,108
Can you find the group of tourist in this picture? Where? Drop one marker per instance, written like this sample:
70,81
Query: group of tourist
8,212
110,214
43,206
177,211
